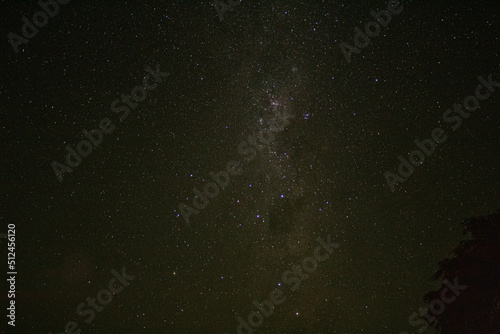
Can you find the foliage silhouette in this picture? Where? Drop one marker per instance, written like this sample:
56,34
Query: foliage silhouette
476,264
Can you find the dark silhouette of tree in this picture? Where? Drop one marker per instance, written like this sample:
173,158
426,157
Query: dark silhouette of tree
474,309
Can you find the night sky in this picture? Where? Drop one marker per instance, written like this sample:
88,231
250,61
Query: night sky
262,141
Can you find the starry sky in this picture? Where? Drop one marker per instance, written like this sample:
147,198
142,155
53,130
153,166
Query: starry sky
265,88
